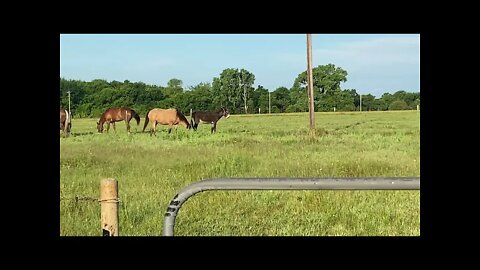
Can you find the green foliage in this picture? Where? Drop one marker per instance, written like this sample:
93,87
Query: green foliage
398,105
232,89
281,99
260,99
326,78
368,102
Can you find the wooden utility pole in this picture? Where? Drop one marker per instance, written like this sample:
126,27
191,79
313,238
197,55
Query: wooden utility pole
69,101
310,81
360,102
269,102
109,207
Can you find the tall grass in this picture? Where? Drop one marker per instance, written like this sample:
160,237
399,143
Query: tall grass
151,170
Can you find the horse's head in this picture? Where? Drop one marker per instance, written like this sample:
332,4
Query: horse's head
225,112
99,127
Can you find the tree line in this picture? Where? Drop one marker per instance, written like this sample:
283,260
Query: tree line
233,89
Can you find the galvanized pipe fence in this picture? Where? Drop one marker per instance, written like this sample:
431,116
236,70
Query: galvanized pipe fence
367,183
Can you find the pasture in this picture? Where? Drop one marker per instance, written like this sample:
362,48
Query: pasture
151,170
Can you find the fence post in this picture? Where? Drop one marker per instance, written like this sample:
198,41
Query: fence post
109,206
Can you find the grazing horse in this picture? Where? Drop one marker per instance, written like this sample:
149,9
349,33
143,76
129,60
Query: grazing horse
208,117
65,121
112,115
170,117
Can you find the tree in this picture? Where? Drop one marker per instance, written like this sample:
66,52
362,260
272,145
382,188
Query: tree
246,80
367,102
298,100
233,87
260,99
281,99
345,100
326,78
77,93
387,99
174,88
175,83
398,105
200,98
379,105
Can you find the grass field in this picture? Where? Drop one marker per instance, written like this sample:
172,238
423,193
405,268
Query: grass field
151,170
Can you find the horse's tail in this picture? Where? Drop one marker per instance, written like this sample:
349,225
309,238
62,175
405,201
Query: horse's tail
66,126
136,116
146,122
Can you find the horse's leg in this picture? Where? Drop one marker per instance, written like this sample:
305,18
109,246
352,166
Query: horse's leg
214,128
154,125
62,127
108,126
169,128
114,129
127,122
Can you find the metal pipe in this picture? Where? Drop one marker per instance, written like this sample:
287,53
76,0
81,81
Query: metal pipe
366,183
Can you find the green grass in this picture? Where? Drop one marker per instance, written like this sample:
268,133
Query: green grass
151,170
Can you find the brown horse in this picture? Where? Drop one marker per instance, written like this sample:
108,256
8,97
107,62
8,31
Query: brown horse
112,115
65,122
170,117
208,117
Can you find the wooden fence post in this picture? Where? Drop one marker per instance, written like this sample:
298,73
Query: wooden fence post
109,206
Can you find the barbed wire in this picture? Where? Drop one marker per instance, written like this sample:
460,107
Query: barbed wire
89,199
79,198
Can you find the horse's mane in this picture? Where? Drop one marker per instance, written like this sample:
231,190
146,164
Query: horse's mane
181,116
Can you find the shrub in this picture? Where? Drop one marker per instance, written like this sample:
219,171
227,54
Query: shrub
398,105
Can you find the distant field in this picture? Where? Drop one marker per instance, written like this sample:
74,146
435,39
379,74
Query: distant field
151,170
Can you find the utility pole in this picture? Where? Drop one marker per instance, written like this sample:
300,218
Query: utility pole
360,102
310,81
269,102
68,101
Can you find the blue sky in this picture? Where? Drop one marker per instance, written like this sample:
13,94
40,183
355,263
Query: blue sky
376,63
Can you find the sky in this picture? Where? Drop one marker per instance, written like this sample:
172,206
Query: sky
375,63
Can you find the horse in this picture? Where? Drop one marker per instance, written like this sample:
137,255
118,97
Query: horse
112,115
65,121
170,117
208,117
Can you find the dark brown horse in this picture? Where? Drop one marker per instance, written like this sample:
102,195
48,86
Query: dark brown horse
65,122
170,117
208,117
112,115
